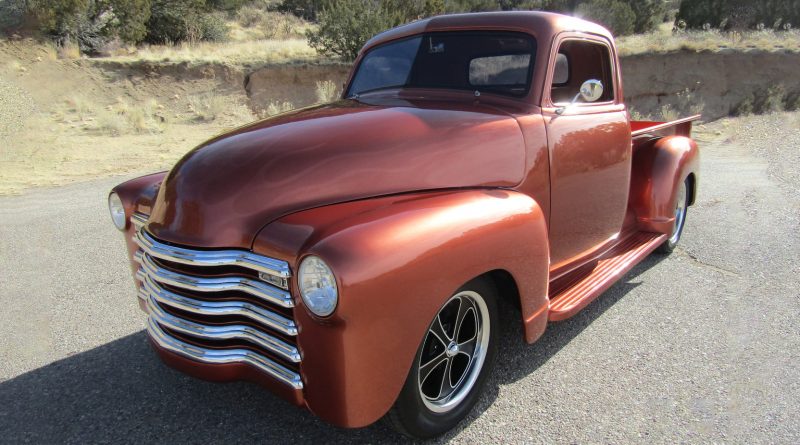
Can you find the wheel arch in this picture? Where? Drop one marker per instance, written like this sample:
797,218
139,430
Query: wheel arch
397,260
658,168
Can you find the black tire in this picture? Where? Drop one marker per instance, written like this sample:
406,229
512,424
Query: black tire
681,211
418,416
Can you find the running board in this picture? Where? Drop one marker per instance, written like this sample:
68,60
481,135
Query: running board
618,261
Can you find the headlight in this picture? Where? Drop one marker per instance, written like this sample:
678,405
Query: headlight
318,286
117,211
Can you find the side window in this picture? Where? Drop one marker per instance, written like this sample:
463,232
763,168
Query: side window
577,62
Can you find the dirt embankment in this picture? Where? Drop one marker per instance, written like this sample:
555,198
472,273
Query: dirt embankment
291,83
714,83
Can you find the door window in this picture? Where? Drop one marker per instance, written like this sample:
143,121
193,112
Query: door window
577,62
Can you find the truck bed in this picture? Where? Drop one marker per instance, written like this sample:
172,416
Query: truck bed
651,129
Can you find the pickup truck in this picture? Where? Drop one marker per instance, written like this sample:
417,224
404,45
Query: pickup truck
350,257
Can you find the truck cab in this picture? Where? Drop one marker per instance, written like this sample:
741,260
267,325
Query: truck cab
351,256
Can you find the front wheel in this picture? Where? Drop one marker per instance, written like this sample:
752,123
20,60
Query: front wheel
451,365
681,208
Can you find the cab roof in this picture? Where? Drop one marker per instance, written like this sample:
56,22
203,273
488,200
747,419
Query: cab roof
542,25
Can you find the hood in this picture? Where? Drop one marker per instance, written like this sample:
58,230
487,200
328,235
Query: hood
224,191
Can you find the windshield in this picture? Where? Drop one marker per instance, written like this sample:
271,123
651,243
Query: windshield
478,61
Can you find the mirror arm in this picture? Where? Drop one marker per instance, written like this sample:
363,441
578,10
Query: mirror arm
562,110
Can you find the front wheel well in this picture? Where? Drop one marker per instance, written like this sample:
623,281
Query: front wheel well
506,287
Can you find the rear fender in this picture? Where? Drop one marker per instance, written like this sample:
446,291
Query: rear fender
658,169
397,260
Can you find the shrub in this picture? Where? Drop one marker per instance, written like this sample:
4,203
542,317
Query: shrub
792,102
745,107
770,100
12,14
91,23
345,25
209,107
130,19
174,20
306,9
277,25
668,113
226,5
615,15
648,14
739,14
275,108
213,28
327,91
250,16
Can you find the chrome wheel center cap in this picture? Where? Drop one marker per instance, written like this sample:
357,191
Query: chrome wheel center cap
452,349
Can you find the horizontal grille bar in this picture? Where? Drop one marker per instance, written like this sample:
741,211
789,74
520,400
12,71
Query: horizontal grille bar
138,220
222,356
239,258
227,332
255,313
266,292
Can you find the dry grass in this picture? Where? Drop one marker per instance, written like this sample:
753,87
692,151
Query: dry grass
118,119
257,36
255,22
237,53
208,107
664,40
69,51
15,66
327,91
276,107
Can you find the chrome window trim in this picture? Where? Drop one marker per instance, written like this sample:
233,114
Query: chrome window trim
223,356
240,258
150,289
268,293
224,332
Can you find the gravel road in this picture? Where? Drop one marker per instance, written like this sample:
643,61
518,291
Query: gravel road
699,346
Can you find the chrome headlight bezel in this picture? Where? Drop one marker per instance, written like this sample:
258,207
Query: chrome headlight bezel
117,210
317,285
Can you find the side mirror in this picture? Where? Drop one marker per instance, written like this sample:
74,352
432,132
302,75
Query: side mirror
590,91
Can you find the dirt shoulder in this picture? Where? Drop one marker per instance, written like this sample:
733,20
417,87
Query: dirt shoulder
63,121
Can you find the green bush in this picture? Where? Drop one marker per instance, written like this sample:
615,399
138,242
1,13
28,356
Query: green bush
739,14
91,23
648,14
226,5
130,19
12,14
174,21
213,27
306,9
345,25
615,15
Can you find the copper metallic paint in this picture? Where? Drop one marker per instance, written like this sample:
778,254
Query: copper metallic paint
389,255
137,195
223,192
660,166
409,194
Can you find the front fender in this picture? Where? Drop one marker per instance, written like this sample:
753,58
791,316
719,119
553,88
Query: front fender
137,195
658,168
397,260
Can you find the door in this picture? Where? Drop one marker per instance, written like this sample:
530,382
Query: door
590,151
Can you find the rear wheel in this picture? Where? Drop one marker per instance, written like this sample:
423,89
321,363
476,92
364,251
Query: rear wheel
452,364
681,208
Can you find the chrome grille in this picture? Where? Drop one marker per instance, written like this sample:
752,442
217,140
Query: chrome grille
210,306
